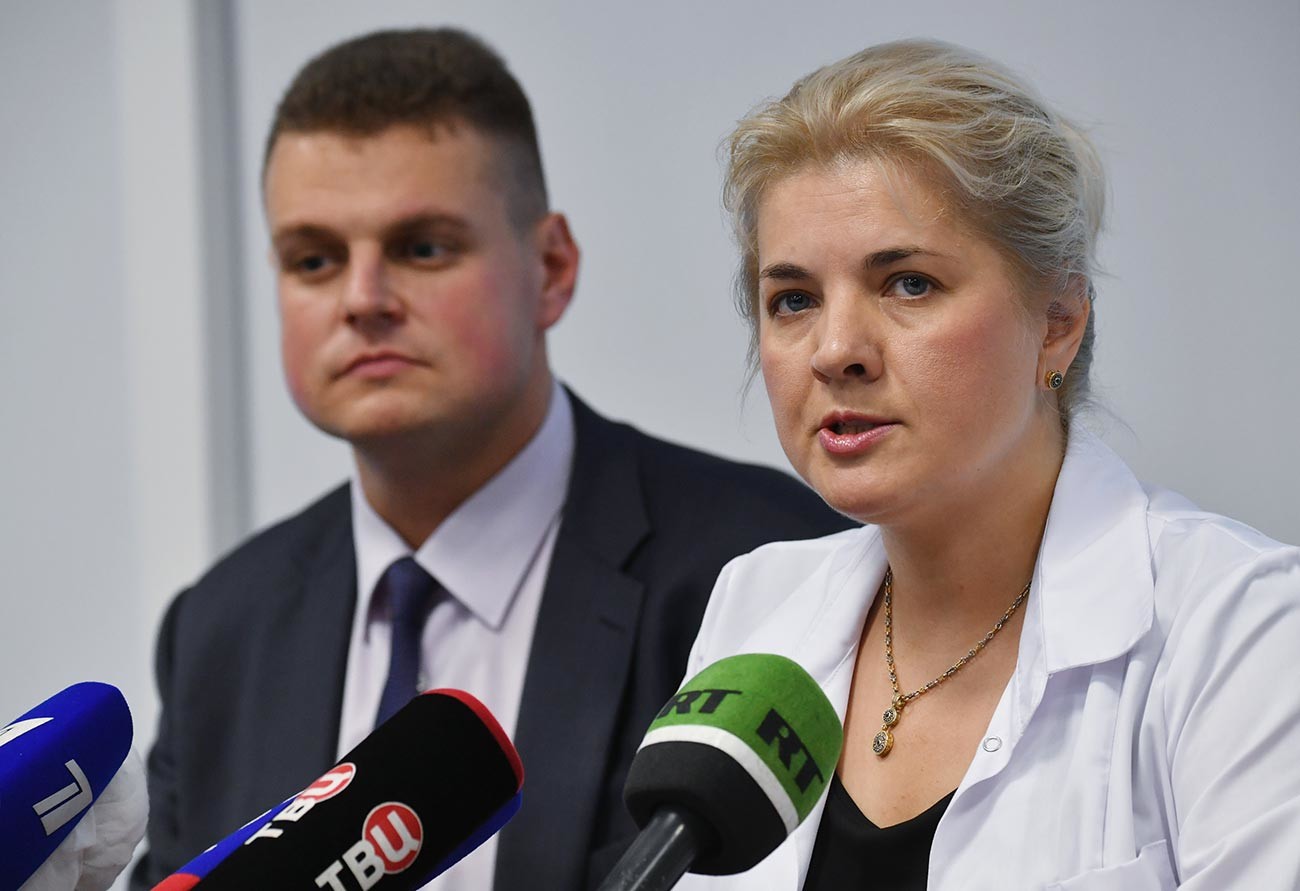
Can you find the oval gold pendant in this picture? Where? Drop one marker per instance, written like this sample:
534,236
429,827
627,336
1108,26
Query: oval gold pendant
890,717
883,742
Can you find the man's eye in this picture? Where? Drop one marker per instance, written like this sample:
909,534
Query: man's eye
424,250
791,302
306,265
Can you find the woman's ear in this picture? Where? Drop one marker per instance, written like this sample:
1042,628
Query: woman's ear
1067,320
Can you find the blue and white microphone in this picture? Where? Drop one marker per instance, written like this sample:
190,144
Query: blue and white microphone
71,814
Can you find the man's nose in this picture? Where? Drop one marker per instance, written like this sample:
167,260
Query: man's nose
369,297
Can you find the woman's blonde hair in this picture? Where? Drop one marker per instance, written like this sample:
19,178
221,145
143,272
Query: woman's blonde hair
1009,166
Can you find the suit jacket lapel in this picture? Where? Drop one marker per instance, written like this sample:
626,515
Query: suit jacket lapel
304,661
581,652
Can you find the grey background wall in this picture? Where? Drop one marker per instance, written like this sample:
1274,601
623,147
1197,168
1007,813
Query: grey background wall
146,427
1195,106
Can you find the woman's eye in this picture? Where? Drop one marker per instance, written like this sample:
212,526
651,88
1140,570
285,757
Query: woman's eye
910,286
791,302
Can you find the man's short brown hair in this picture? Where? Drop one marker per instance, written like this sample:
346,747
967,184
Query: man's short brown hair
435,78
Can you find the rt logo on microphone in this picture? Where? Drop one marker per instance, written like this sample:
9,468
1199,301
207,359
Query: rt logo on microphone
775,730
684,703
391,837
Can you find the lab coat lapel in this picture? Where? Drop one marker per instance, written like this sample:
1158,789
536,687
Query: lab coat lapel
819,626
1092,596
1094,567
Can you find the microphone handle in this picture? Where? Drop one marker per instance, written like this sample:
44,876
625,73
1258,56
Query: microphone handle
660,855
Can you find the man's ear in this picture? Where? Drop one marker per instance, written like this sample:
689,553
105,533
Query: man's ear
1067,320
559,256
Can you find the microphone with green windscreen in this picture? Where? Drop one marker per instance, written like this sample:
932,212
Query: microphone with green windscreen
729,767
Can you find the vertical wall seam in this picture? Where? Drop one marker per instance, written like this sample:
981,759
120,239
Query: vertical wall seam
223,265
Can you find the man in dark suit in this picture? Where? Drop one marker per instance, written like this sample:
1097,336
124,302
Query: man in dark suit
565,560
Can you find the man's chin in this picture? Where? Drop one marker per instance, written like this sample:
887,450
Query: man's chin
376,429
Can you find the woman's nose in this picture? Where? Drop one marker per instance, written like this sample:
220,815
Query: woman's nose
846,348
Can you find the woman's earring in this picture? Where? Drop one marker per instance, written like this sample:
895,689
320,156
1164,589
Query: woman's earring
1054,379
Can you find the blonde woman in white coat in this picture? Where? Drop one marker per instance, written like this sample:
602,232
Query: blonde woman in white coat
1076,681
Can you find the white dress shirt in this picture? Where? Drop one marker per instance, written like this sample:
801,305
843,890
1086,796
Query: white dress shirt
491,555
1149,737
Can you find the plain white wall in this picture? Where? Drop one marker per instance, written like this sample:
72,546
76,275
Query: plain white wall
1195,107
106,480
71,580
106,506
111,265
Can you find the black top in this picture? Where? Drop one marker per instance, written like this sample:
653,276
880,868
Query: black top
852,852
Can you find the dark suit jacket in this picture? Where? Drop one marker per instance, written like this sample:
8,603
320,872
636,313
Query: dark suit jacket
251,659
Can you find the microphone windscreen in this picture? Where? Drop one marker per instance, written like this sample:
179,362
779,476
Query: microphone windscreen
55,761
747,748
100,847
428,786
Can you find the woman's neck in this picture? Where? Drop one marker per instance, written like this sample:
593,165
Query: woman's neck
968,559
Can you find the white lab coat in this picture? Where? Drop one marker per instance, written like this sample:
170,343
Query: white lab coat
1149,737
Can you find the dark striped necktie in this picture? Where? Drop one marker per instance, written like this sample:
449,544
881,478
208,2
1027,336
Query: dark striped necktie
410,593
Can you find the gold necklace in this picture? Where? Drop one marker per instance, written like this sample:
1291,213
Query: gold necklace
884,740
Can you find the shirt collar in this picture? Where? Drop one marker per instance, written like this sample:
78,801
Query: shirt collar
1096,588
481,553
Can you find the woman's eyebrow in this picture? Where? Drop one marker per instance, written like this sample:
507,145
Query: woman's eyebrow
892,255
784,272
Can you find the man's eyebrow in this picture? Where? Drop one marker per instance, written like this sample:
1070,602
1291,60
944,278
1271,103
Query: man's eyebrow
785,272
425,220
304,231
313,232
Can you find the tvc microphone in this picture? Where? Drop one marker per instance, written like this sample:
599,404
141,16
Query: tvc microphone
70,815
731,765
428,786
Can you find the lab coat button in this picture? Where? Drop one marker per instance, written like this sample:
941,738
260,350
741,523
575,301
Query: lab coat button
992,744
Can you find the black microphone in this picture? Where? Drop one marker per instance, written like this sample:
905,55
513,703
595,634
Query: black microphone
730,766
428,786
